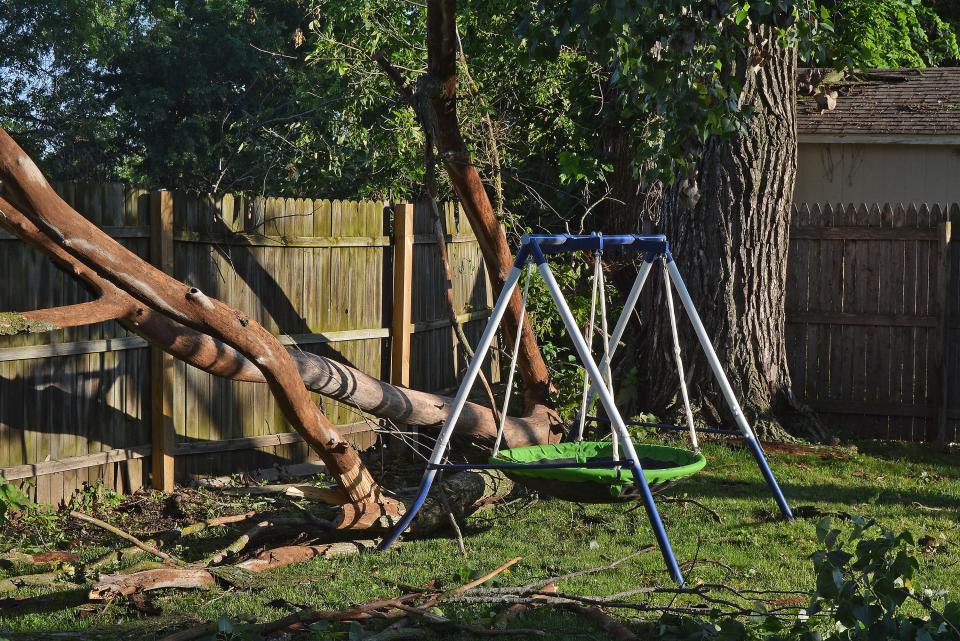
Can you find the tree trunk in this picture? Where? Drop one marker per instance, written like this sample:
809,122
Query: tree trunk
731,249
439,88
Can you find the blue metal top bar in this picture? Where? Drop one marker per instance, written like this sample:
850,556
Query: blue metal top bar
561,243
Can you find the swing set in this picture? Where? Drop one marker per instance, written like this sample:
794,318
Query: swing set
595,471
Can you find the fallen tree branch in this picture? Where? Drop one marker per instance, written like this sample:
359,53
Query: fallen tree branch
127,537
191,633
486,577
683,501
442,621
269,527
219,521
303,618
109,586
289,554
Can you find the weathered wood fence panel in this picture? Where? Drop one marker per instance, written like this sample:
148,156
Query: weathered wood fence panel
75,405
91,400
867,314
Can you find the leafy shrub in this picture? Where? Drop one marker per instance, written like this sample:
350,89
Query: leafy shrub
12,499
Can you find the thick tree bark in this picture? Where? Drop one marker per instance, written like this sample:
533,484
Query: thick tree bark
731,249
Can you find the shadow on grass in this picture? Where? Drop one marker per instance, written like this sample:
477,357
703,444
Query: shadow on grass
53,602
920,453
846,496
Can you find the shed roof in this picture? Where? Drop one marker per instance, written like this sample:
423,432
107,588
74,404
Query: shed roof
888,103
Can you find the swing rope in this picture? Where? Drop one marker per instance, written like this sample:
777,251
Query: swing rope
598,290
588,338
676,355
513,362
605,372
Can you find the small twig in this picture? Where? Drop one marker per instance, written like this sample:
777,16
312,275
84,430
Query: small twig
306,617
486,577
929,606
436,619
676,499
219,521
445,503
571,575
127,537
191,633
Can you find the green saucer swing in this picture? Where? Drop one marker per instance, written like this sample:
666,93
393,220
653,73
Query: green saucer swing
662,465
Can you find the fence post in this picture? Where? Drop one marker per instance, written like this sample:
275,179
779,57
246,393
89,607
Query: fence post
161,364
402,294
400,326
943,310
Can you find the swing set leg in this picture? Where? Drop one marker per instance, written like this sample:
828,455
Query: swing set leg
728,394
425,483
606,399
440,448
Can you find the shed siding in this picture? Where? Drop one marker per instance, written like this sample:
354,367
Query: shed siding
875,173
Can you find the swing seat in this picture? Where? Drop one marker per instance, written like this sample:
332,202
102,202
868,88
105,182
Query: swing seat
662,465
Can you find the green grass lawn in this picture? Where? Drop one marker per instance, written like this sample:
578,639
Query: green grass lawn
902,486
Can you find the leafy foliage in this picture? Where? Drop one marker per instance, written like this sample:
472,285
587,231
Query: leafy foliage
12,499
864,591
889,33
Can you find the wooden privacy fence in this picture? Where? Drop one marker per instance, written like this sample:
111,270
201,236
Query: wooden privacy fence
873,318
336,278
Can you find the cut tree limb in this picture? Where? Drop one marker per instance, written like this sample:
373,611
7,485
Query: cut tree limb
25,186
110,586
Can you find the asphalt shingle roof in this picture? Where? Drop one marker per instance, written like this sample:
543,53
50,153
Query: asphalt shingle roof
909,102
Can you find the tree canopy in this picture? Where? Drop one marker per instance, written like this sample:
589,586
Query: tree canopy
285,97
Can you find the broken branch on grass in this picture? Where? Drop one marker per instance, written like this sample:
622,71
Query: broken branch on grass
303,618
219,521
190,634
126,536
435,619
486,577
269,527
684,501
604,568
110,586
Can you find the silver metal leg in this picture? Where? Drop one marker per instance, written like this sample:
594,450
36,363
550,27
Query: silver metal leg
439,450
725,388
606,398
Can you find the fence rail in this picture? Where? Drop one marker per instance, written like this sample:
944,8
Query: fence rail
96,402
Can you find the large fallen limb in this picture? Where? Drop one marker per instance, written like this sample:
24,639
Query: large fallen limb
25,186
476,429
110,586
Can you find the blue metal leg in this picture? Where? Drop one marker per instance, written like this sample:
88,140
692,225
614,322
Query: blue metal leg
768,476
728,394
656,522
606,398
440,448
411,512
